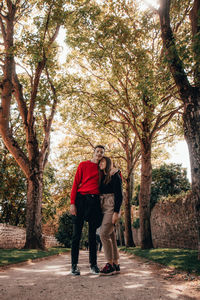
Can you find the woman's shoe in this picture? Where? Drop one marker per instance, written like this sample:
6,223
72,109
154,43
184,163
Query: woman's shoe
107,270
117,268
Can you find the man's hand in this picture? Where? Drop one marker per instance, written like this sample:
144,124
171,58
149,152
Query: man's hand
115,218
73,209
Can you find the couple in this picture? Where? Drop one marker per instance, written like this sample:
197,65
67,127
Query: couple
96,197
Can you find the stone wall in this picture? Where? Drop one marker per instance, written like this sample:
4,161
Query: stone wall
51,241
174,224
14,237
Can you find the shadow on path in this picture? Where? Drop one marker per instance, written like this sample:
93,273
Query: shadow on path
50,280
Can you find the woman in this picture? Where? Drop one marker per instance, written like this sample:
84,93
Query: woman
111,200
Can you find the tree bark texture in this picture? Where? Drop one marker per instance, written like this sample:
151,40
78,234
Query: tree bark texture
189,93
191,118
121,233
34,239
127,214
144,198
132,157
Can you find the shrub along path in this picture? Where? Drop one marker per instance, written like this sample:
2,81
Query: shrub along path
139,280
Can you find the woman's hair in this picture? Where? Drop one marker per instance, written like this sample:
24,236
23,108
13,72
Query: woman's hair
107,169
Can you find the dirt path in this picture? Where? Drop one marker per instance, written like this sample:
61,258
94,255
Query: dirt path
139,280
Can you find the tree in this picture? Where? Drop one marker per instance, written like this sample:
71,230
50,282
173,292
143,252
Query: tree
166,180
28,40
12,190
181,43
126,75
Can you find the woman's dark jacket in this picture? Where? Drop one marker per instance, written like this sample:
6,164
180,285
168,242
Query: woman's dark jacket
113,187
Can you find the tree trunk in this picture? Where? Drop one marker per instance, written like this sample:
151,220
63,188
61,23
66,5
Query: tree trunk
121,232
127,211
34,239
189,94
144,198
192,135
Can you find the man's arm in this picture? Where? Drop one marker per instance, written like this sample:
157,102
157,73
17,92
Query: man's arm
76,183
73,210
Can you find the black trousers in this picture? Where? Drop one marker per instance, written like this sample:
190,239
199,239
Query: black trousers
88,209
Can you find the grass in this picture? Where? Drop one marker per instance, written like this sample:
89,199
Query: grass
13,256
179,259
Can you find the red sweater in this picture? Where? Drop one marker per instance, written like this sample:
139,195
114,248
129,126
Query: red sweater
86,180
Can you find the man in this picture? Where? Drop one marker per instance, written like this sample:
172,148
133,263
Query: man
85,206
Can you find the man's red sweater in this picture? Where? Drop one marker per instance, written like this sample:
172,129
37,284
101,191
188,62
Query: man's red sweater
86,180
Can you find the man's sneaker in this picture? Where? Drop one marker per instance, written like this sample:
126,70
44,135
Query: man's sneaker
107,270
117,268
94,270
75,270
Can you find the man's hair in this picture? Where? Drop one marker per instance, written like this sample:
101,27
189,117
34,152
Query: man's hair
99,146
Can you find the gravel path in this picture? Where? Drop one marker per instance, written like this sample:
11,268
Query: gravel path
139,280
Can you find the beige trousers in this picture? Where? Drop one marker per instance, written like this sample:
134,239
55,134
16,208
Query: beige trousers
107,232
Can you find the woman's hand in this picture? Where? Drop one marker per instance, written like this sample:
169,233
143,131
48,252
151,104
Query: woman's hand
73,210
115,218
113,171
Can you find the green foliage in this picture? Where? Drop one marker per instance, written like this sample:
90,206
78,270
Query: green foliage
122,77
12,190
136,223
65,230
178,259
166,180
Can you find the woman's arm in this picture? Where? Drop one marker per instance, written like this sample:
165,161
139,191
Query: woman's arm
118,195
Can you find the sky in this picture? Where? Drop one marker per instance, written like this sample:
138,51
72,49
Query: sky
144,3
179,154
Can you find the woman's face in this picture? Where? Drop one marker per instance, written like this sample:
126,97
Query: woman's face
102,164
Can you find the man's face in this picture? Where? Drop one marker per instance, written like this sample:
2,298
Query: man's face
98,153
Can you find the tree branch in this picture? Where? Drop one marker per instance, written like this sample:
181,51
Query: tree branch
40,68
3,30
168,116
19,97
174,61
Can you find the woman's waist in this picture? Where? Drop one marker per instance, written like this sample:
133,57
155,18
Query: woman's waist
107,202
106,194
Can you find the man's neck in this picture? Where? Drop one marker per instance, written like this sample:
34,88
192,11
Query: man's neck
94,160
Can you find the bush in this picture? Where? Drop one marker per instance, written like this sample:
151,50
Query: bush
65,230
136,223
